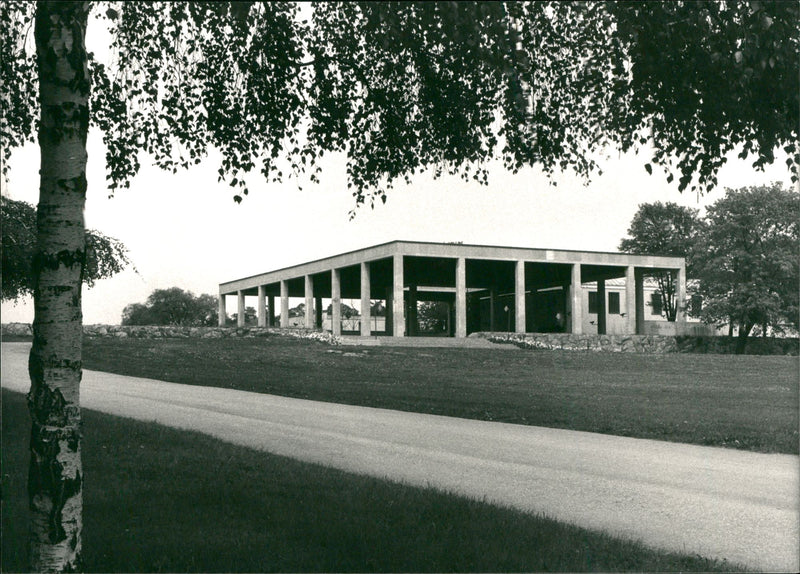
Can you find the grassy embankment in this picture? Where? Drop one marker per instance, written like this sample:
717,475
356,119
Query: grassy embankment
158,499
746,402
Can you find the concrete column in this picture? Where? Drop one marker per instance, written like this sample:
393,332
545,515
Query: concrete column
336,302
309,292
575,300
221,312
271,311
680,294
262,306
639,288
601,307
630,300
284,304
366,328
461,297
240,317
519,297
398,299
318,312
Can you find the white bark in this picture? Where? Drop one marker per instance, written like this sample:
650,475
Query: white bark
56,474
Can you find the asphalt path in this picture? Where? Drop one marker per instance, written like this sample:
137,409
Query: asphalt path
720,503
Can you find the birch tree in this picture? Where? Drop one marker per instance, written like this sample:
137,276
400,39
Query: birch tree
396,88
55,476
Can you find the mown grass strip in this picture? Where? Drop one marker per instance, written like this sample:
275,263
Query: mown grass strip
162,500
745,402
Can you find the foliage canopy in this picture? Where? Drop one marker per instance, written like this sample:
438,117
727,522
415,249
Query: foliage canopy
433,317
664,229
403,87
743,255
746,259
173,306
705,78
105,256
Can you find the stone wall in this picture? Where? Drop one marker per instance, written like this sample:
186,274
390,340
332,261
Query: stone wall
644,343
179,332
555,341
571,342
16,330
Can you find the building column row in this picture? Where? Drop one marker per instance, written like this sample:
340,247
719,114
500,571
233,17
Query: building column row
396,320
266,307
630,300
519,297
461,297
284,304
575,300
240,309
266,316
265,311
336,302
313,305
261,309
309,292
680,294
366,315
395,300
398,297
221,313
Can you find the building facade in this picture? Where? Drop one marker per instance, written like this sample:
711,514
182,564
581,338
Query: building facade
484,288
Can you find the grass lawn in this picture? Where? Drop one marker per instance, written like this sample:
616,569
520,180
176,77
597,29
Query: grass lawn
159,499
746,402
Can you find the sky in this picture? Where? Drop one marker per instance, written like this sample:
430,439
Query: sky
184,230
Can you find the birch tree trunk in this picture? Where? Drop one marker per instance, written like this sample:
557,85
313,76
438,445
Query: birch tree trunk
55,475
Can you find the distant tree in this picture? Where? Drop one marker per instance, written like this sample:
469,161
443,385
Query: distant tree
346,310
138,314
172,306
747,262
377,309
348,316
664,229
432,316
250,315
299,311
208,310
18,241
104,256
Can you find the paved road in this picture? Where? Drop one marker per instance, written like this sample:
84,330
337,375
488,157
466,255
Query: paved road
715,502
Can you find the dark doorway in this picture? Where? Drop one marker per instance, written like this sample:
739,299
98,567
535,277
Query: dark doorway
549,311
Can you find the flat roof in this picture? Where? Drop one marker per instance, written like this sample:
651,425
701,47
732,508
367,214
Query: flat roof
451,251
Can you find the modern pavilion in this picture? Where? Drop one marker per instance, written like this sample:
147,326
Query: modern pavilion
485,287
